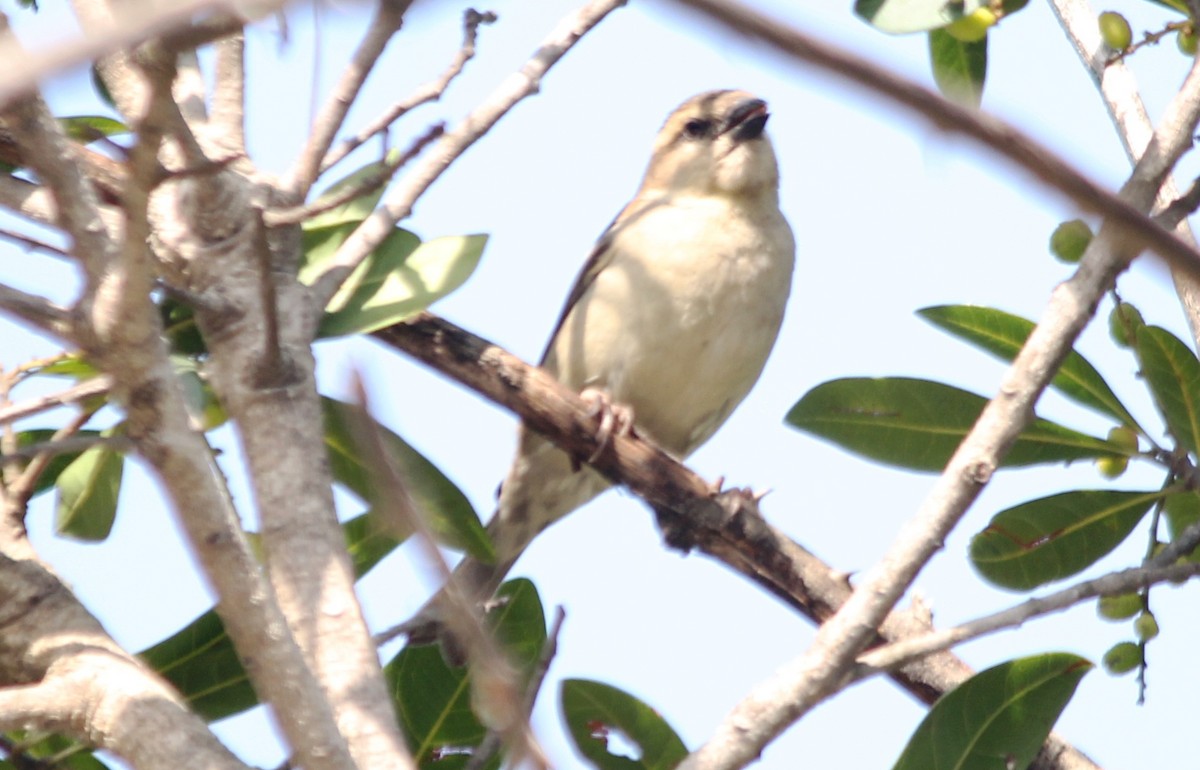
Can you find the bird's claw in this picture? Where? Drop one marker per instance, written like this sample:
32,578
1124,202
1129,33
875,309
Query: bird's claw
615,419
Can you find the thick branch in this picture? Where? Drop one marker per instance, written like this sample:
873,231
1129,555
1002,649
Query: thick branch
36,311
61,673
403,196
728,529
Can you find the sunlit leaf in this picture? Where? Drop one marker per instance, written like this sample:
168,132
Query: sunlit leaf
451,516
959,67
903,16
371,178
1055,537
1003,334
87,493
997,719
1173,375
399,282
917,424
433,699
595,711
89,128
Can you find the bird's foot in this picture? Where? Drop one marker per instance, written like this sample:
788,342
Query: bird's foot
615,419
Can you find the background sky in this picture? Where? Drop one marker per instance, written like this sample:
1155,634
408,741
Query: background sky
890,216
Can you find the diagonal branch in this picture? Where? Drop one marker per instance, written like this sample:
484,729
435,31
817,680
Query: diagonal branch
389,15
35,310
728,528
429,92
778,702
399,203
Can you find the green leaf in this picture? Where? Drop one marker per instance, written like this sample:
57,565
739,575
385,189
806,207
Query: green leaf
997,719
917,424
53,751
1173,375
200,661
452,518
58,463
1003,334
1054,537
89,128
593,711
359,208
433,699
1182,511
399,281
959,67
179,327
898,17
87,493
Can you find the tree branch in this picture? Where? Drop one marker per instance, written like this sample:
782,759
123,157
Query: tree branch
36,311
430,92
798,686
60,672
398,204
389,15
228,118
728,528
1126,581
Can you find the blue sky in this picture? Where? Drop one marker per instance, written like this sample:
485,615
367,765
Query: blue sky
890,216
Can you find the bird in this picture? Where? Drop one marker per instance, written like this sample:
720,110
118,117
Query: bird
669,323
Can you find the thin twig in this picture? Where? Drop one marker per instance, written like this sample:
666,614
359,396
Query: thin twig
429,92
492,742
389,15
119,443
24,485
390,166
898,653
96,386
399,203
34,244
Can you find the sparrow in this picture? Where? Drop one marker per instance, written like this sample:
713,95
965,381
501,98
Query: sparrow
670,320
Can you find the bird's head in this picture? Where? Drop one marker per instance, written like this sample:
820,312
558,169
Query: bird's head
714,143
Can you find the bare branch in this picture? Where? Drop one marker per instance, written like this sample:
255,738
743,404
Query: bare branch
389,15
27,199
728,528
96,386
298,214
430,92
901,652
403,197
36,310
21,70
62,673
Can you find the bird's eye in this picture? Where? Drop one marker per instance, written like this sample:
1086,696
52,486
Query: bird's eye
697,128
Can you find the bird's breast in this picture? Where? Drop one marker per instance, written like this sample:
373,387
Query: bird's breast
679,323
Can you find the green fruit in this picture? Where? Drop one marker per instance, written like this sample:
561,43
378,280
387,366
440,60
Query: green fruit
1187,41
1146,627
1070,239
1112,467
1115,31
974,26
1123,323
1119,607
1122,658
1125,438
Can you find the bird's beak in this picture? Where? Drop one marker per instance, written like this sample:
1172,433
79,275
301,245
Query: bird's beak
747,120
